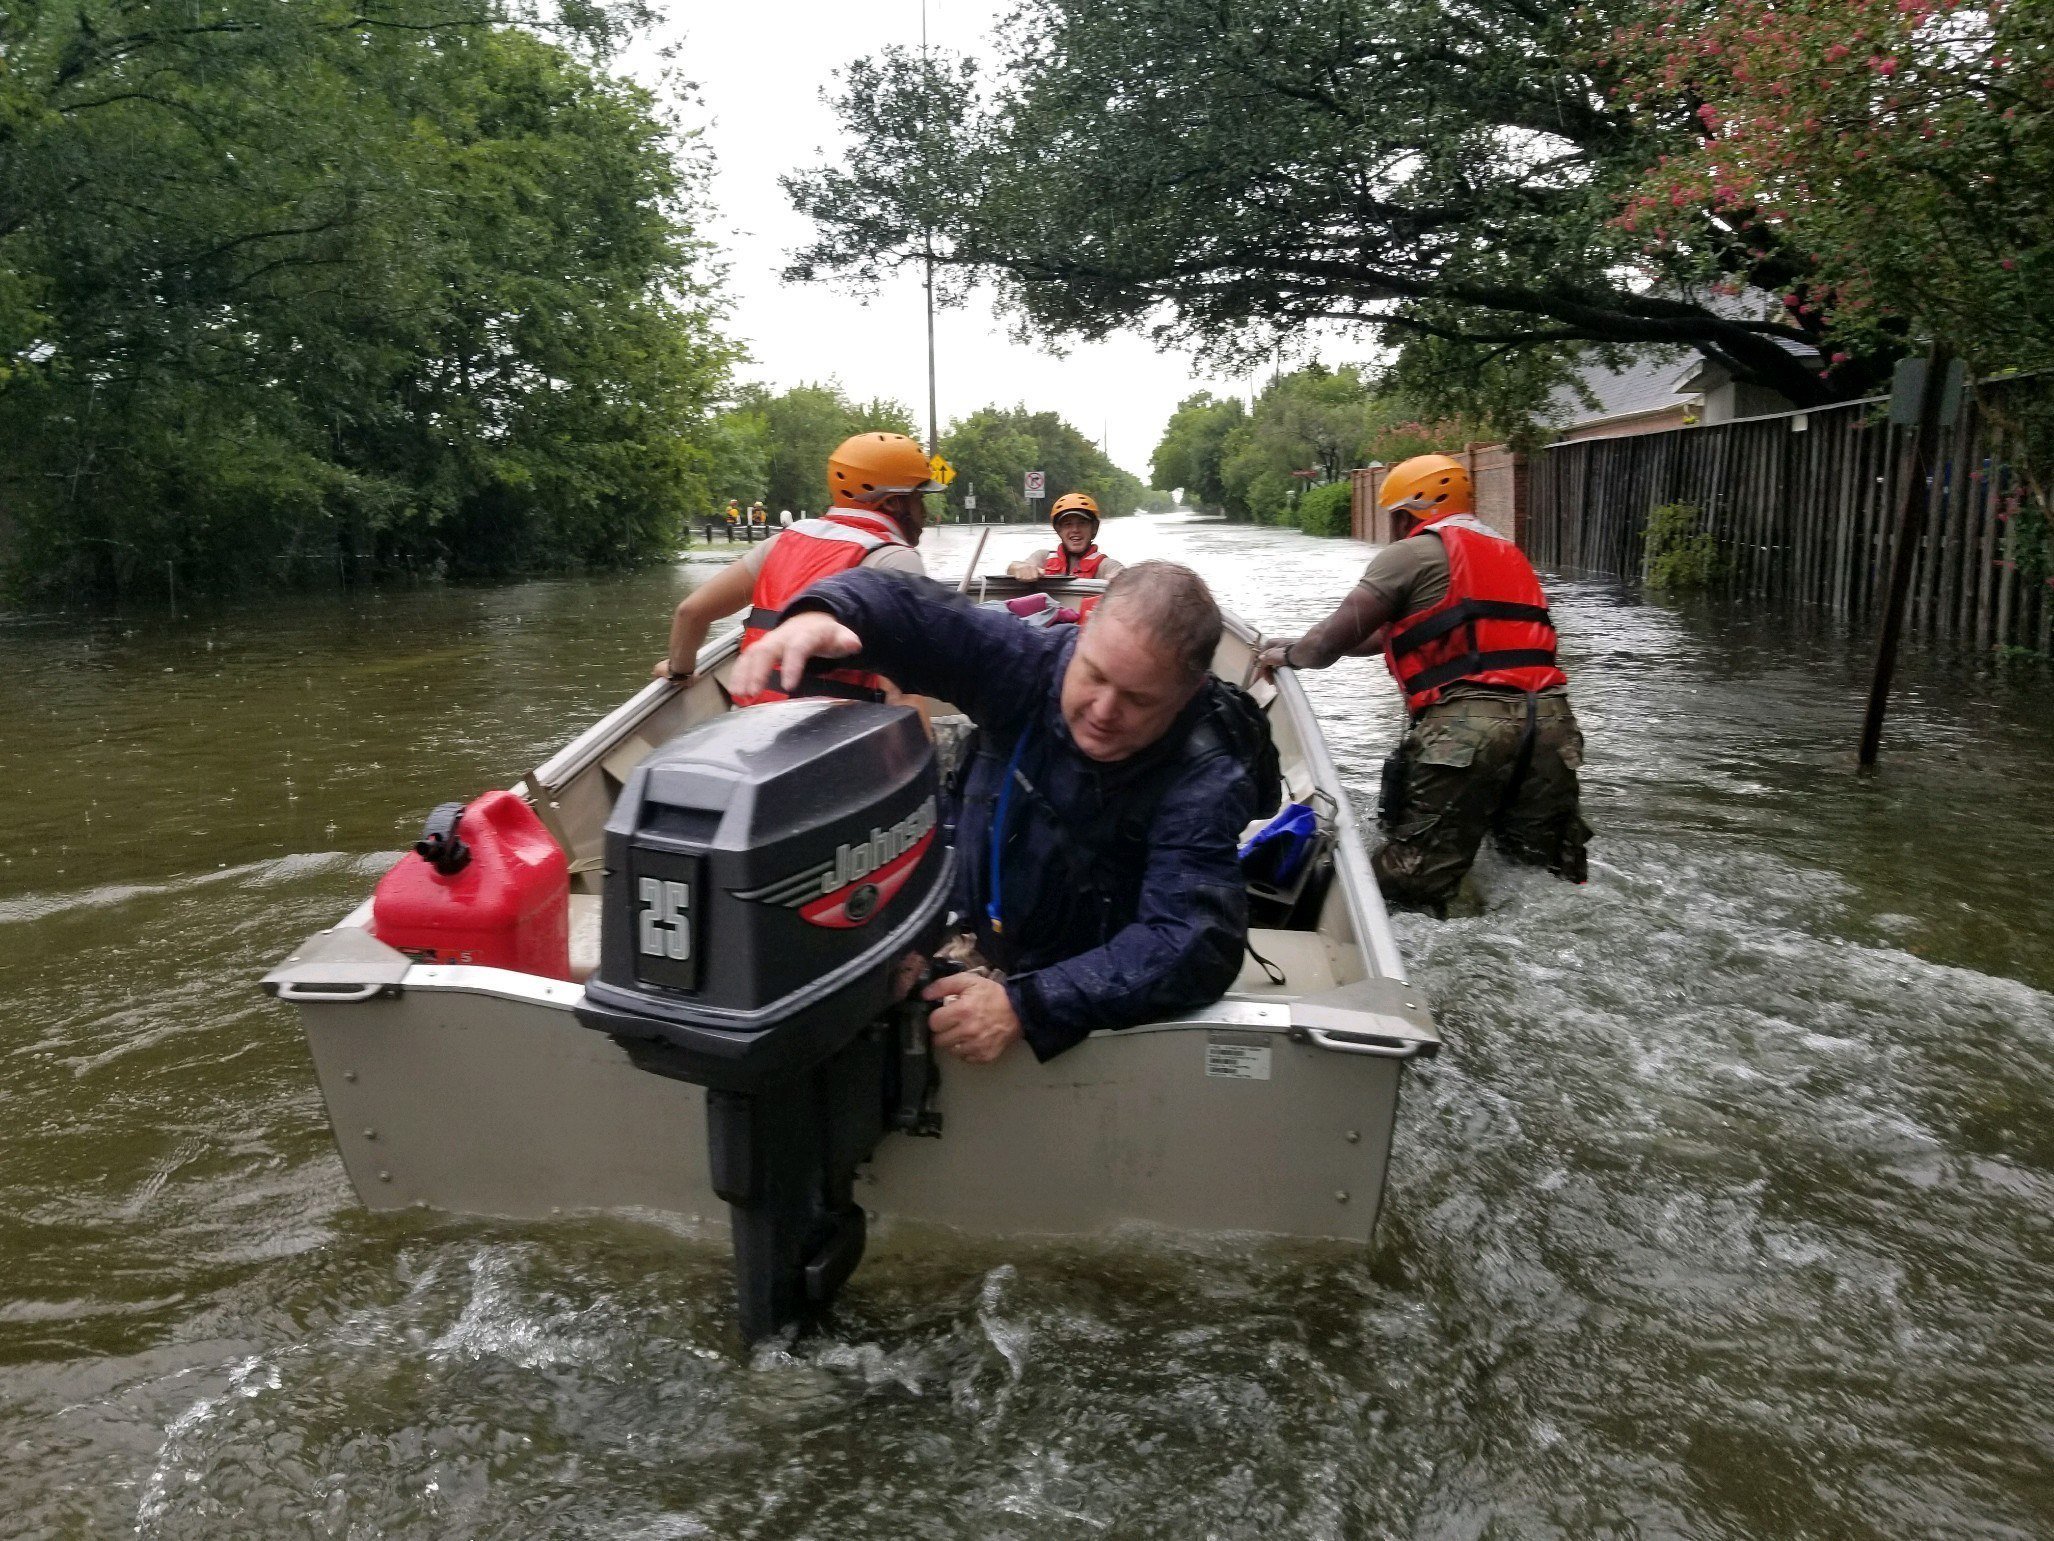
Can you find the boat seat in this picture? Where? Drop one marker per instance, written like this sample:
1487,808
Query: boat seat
1300,956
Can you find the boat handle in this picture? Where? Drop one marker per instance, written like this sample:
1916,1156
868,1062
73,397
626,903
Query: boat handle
292,990
1340,1045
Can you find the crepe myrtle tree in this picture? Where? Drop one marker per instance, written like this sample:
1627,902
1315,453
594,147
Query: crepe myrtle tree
1908,145
1220,175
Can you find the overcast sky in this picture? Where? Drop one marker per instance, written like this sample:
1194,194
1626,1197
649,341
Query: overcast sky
761,66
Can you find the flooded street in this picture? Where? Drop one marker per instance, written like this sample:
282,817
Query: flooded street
1727,1211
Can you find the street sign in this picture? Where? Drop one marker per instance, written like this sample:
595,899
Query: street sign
1037,484
969,502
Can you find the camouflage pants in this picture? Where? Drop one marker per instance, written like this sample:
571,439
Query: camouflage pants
1455,779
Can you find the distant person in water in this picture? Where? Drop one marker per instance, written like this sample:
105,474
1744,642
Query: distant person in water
880,483
1458,613
1075,553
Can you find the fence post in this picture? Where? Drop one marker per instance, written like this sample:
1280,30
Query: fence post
1911,507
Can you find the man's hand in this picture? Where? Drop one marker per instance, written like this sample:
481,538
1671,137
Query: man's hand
785,652
975,1021
662,671
1025,571
1271,658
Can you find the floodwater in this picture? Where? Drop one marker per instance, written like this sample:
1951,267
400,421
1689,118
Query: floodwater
1727,1212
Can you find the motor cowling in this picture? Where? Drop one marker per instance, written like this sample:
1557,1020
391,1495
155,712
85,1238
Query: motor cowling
768,875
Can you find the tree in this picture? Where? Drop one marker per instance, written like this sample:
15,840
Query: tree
1309,427
993,448
800,427
1192,446
1447,175
1906,146
288,289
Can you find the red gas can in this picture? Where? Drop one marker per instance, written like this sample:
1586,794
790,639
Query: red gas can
485,885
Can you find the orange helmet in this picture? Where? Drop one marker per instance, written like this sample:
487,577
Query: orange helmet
1428,487
871,467
1074,503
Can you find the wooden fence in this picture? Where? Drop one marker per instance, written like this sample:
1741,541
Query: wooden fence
1803,506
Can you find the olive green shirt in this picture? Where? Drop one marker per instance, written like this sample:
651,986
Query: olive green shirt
1410,574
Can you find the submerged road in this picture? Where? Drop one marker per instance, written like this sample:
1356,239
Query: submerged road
1727,1213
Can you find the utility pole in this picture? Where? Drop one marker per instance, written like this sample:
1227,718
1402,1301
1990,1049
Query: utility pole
927,238
933,416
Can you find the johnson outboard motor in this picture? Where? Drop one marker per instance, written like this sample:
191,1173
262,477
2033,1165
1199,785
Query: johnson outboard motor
767,875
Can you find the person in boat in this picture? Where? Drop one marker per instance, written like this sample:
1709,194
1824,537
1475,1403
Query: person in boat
1097,822
1493,746
880,482
1075,553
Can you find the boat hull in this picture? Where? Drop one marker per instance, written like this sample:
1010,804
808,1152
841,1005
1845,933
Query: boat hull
477,1091
471,1091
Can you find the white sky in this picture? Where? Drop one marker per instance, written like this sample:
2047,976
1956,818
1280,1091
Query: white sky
761,68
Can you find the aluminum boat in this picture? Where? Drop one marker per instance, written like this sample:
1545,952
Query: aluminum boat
479,1091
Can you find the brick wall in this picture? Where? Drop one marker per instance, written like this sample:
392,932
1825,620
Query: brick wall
1500,477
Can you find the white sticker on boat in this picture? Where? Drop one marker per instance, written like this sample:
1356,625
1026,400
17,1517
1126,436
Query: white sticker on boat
1237,1062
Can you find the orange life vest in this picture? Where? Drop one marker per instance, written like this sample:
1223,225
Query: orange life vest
800,556
1491,629
1058,564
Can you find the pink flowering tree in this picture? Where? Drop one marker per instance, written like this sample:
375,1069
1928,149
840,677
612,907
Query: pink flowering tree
1885,165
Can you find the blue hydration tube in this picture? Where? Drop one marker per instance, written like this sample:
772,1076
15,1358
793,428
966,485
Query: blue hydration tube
994,903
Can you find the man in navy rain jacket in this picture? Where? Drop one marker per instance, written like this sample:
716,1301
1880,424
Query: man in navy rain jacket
1117,897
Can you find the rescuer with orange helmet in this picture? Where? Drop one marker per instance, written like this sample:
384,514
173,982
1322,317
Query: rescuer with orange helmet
878,485
1493,747
1074,555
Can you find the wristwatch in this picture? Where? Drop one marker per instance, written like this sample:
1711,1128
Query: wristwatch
1287,654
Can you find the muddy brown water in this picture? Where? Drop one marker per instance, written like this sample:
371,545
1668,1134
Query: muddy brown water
1728,1211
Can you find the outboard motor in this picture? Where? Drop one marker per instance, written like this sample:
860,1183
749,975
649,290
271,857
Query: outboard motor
768,876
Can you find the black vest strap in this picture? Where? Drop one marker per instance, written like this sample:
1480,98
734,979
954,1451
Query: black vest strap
760,619
1470,664
1461,614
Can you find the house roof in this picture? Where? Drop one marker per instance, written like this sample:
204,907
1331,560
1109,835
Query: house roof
1653,382
1659,379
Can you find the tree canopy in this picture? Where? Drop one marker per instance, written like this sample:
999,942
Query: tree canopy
794,431
1308,429
1905,146
293,287
993,448
1453,176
